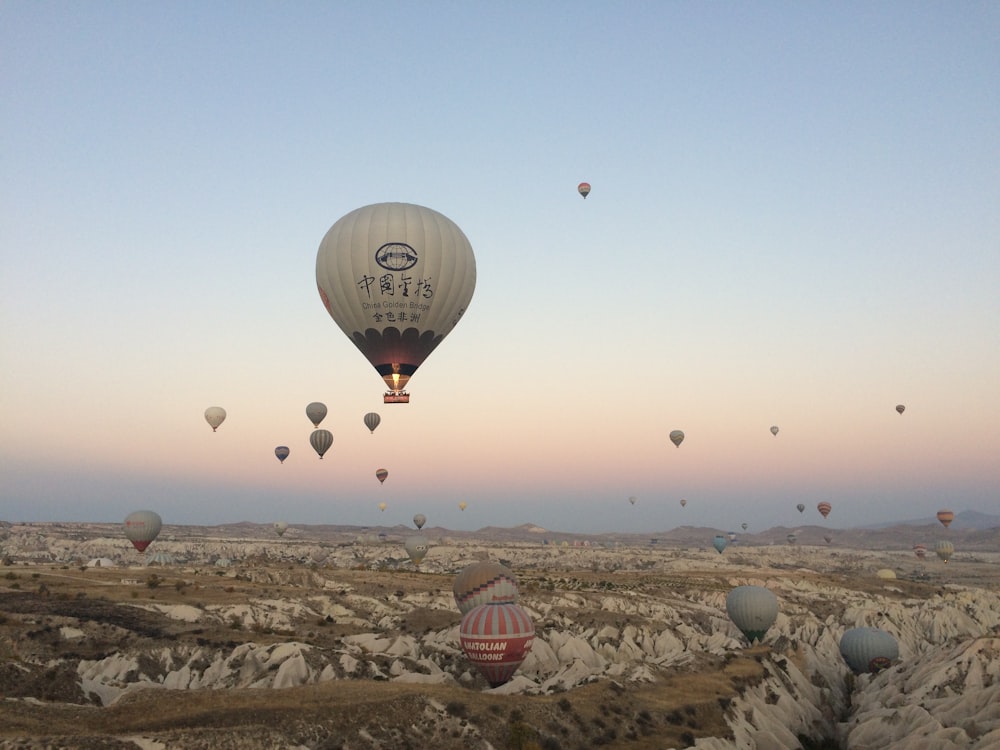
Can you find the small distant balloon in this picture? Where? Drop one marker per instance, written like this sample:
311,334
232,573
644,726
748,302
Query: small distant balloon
463,505
827,538
719,543
800,507
416,548
920,550
280,527
945,517
791,538
282,452
632,500
683,502
944,549
321,440
381,507
583,189
419,520
316,412
215,416
677,437
774,429
372,420
380,475
744,526
900,408
824,509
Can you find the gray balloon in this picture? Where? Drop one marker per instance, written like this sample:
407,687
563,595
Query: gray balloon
868,649
753,609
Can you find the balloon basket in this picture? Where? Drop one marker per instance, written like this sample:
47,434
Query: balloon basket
396,397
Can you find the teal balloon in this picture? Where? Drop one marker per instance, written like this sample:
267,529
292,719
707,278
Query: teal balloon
719,543
868,650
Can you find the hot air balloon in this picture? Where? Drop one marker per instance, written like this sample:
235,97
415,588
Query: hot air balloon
316,411
416,548
790,538
142,527
583,189
945,517
944,549
744,526
396,278
677,437
731,536
321,440
380,475
419,520
800,507
824,509
496,637
683,502
282,452
827,538
381,507
632,500
774,429
484,582
280,527
372,420
463,505
215,416
900,408
920,550
719,543
753,609
868,650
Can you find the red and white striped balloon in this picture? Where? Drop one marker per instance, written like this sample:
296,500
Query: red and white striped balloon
497,637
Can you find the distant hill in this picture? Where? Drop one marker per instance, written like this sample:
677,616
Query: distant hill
966,520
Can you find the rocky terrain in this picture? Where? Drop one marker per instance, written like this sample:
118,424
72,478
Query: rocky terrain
331,638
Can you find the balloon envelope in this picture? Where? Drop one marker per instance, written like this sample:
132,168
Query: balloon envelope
372,420
381,507
900,408
396,278
583,189
753,609
416,548
800,507
633,500
142,527
215,416
791,538
944,549
743,526
868,649
463,505
719,543
282,452
824,509
321,440
496,638
316,411
381,475
774,429
484,582
280,527
683,502
677,437
419,520
945,517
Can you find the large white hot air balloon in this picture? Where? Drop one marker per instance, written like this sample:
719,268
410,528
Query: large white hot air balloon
215,416
419,520
868,649
142,527
753,609
396,278
416,548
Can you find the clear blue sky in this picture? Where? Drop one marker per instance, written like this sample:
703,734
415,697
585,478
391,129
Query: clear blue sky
794,221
